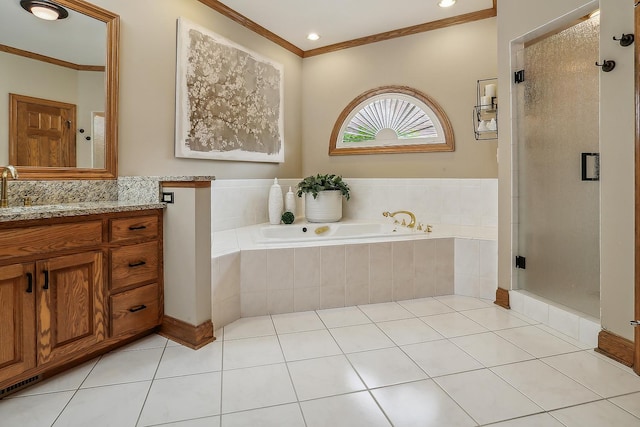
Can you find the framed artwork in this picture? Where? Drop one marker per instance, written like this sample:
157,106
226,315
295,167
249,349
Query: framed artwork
228,99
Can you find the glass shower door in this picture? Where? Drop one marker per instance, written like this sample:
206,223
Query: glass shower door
558,194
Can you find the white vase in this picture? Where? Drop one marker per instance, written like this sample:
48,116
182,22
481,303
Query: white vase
275,203
290,202
327,207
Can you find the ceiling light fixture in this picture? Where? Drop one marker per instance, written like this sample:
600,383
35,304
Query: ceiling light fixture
446,3
313,36
44,9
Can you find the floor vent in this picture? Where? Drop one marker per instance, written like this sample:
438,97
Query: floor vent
15,387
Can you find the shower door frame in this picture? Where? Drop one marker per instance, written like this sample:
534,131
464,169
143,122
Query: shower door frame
636,358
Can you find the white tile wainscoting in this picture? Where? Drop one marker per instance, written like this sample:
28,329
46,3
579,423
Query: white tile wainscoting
456,203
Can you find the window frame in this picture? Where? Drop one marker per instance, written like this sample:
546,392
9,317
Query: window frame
439,118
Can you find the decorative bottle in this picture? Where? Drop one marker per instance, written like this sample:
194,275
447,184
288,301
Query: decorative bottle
275,203
290,202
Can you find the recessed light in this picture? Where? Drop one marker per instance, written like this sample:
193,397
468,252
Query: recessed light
44,9
446,3
313,36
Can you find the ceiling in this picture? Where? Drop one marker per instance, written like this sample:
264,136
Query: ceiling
78,39
338,21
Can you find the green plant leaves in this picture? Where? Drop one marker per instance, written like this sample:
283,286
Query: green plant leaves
314,184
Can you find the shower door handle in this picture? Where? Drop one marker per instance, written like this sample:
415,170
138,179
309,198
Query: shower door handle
591,166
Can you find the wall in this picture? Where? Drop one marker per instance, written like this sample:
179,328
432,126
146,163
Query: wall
147,90
517,18
444,63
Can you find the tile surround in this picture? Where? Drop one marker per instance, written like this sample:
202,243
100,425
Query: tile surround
365,273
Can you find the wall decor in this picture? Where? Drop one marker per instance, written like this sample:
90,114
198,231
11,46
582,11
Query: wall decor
228,99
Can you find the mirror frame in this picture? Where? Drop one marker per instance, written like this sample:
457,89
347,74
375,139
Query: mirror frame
110,170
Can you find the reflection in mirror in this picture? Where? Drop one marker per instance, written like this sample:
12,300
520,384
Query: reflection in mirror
59,84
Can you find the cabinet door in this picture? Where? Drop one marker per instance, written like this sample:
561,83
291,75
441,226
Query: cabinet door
17,320
71,312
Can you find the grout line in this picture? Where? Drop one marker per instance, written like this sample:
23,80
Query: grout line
153,379
286,364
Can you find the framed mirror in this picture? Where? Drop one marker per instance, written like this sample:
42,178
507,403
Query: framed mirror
71,62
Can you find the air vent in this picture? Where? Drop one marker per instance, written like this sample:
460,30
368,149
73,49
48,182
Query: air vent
15,387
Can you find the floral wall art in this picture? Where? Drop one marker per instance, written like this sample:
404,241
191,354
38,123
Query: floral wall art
228,100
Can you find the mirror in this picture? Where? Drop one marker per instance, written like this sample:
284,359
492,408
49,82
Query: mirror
72,61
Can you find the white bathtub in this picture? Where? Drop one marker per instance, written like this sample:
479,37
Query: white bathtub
265,236
310,232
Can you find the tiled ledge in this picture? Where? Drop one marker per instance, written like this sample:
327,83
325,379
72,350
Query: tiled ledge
579,326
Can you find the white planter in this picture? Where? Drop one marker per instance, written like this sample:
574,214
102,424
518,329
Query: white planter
327,207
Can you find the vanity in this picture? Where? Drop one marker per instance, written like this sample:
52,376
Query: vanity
79,275
76,285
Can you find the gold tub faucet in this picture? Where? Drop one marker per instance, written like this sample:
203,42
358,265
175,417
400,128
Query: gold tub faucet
411,224
4,201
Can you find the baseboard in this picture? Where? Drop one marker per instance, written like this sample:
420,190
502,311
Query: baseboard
502,298
616,347
187,334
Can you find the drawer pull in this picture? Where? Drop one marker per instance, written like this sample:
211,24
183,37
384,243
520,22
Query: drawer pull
136,264
46,279
137,308
29,283
137,227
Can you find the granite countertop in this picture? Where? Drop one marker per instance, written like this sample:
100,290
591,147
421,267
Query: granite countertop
20,213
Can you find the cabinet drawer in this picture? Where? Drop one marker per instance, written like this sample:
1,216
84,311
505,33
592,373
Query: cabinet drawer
140,227
134,310
134,264
26,241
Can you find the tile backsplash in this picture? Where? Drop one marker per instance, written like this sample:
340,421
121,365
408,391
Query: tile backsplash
454,202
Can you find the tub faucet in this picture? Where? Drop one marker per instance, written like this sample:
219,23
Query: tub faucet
411,224
5,175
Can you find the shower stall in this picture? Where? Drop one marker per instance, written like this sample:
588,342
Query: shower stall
556,168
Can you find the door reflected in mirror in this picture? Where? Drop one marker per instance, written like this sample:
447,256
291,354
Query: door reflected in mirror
67,70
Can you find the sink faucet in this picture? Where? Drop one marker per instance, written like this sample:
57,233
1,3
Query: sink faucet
411,224
4,201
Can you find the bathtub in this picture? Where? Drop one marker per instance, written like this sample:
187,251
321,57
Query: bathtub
271,269
303,234
312,232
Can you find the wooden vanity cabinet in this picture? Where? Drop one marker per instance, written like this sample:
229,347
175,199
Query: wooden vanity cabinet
75,287
17,320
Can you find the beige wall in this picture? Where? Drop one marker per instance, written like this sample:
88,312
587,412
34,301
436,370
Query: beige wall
519,20
445,64
147,90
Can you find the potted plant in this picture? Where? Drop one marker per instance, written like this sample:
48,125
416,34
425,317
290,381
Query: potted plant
326,191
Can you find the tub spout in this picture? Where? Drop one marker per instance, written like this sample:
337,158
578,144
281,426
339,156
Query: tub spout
8,170
411,224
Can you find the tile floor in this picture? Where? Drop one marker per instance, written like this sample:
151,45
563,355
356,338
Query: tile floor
444,361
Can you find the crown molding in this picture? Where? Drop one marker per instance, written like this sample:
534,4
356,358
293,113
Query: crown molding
415,29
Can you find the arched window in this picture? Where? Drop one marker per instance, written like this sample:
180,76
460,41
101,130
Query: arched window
391,119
